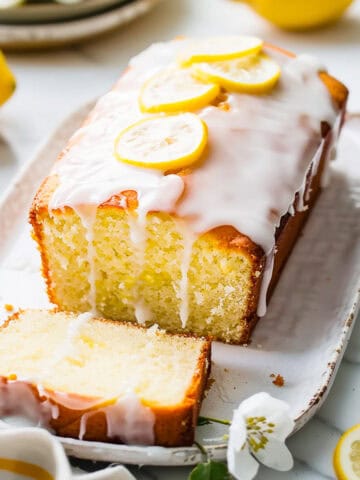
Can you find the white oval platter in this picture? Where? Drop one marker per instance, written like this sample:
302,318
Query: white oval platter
302,337
55,34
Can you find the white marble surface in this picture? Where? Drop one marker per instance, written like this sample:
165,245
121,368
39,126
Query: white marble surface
52,84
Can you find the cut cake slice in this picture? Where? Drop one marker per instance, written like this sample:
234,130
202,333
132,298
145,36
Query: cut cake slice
97,379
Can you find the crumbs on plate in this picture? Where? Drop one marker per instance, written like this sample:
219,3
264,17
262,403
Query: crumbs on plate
278,380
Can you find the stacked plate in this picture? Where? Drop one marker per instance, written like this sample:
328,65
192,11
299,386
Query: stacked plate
46,23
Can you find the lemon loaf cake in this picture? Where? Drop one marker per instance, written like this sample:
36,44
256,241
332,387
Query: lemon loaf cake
97,379
179,199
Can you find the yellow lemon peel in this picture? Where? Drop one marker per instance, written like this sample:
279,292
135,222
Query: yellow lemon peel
346,458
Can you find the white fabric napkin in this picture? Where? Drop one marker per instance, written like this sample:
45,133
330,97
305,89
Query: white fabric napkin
33,453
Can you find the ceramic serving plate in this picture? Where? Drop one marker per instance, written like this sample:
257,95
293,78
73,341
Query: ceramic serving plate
302,337
51,11
64,32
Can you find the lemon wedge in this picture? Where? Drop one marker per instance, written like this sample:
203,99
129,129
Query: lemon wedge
7,80
347,455
175,89
218,48
163,141
251,74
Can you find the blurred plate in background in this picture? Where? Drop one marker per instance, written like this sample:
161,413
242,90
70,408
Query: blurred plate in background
50,11
47,35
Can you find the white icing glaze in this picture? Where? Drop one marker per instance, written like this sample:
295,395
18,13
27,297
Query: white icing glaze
138,236
87,214
269,265
262,166
183,294
18,398
130,421
325,179
127,420
259,153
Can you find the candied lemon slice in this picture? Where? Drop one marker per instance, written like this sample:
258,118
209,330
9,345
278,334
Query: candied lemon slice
163,141
218,48
175,89
347,455
251,74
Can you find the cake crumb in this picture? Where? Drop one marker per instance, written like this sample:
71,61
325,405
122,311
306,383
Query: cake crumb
8,307
278,380
209,384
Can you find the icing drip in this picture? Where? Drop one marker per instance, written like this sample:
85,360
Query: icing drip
325,179
17,398
262,148
138,237
183,292
87,216
83,421
130,421
269,265
127,420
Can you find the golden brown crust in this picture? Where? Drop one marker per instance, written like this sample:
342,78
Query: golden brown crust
174,425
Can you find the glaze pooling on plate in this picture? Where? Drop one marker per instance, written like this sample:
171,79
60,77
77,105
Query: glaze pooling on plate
263,146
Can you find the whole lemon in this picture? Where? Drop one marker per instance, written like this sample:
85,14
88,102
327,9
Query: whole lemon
7,80
299,14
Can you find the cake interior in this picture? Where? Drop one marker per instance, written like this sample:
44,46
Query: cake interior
94,358
221,275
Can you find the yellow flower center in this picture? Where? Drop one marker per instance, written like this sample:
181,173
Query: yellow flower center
257,428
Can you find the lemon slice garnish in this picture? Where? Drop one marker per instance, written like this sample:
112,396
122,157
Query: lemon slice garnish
251,74
347,455
175,89
163,141
218,48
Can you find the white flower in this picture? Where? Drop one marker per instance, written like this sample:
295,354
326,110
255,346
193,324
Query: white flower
258,429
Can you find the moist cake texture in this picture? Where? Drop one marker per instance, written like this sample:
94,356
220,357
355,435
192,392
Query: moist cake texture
101,380
197,249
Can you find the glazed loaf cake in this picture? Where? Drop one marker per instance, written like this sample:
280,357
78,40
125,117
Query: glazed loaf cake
102,380
197,248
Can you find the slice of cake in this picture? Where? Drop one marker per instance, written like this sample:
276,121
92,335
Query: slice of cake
180,198
97,379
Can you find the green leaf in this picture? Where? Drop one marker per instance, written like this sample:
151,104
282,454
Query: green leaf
203,421
210,471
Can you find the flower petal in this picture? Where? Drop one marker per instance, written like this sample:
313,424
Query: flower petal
237,431
275,455
241,464
274,410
